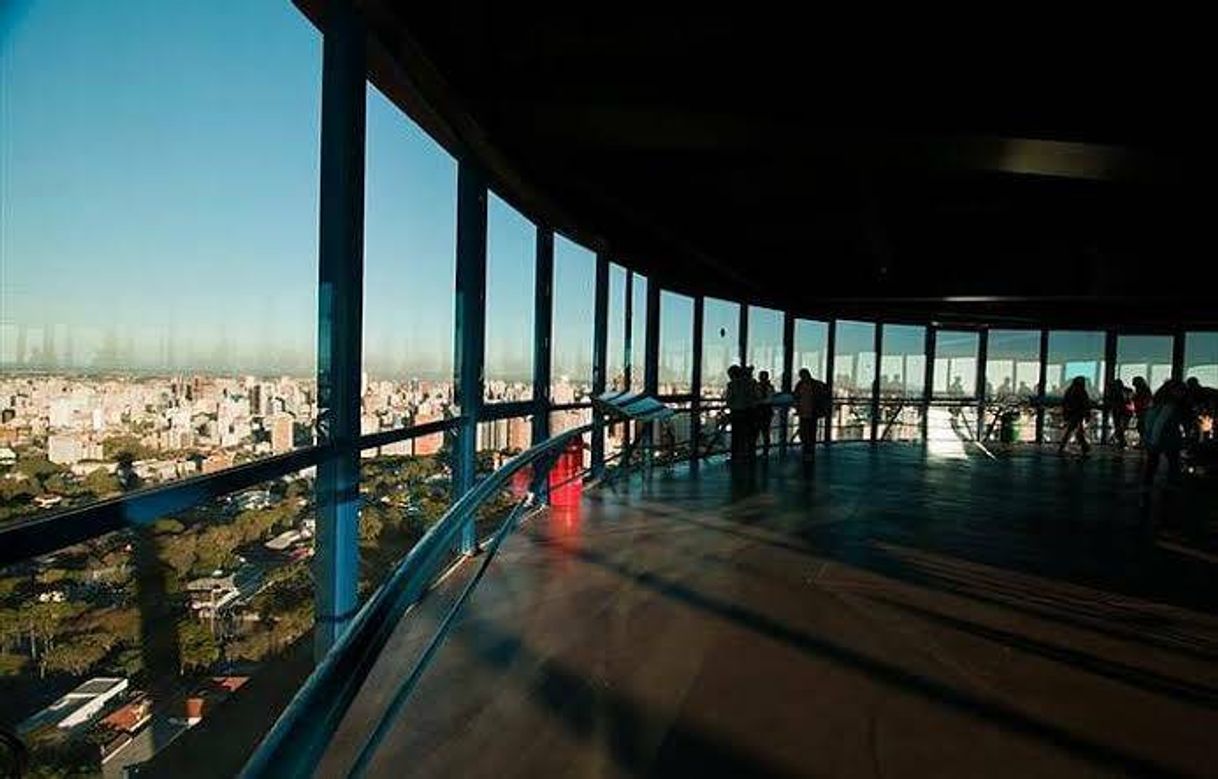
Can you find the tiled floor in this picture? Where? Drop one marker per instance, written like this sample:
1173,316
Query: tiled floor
884,612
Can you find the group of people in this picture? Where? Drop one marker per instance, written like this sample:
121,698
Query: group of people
750,403
1167,420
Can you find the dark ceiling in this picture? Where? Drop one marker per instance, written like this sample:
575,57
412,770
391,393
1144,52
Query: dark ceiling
821,165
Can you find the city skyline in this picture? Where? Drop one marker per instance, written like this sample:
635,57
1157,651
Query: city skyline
159,197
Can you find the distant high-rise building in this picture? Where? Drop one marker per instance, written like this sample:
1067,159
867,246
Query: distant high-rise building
281,433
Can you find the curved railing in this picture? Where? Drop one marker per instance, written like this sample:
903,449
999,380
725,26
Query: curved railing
301,735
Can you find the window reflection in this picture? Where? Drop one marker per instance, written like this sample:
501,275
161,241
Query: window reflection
615,355
676,343
1012,372
1073,353
854,366
1201,357
765,342
410,225
902,378
720,344
574,292
510,273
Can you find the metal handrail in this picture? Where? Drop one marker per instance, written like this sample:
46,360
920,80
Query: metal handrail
299,738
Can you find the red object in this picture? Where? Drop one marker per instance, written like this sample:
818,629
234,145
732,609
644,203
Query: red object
566,477
521,480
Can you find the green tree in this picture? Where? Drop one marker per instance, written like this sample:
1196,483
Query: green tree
196,645
77,653
126,444
38,467
101,483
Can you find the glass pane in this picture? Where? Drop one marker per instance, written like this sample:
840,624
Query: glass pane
676,343
160,627
511,261
720,344
955,371
410,258
1012,364
615,358
159,241
638,331
903,362
765,342
1201,357
1147,356
1012,371
811,347
1074,353
574,294
854,365
405,487
854,360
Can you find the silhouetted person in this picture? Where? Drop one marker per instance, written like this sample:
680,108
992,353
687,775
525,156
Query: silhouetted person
1119,401
1076,407
1165,430
1202,404
811,403
763,394
739,399
1142,398
956,390
1004,389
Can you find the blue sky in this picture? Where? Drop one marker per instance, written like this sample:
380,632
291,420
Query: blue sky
158,180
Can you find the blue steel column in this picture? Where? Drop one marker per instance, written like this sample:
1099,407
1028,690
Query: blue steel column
651,362
788,368
831,349
928,379
695,404
983,357
1177,355
628,352
469,332
651,354
743,327
877,344
600,348
339,319
543,318
1040,386
1110,358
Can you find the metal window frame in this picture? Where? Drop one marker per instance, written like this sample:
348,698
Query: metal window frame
340,322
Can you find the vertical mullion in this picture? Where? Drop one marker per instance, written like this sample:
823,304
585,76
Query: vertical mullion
787,379
470,331
1110,358
878,346
928,379
651,364
340,317
983,356
600,349
830,359
1040,386
543,325
1177,354
742,344
695,405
